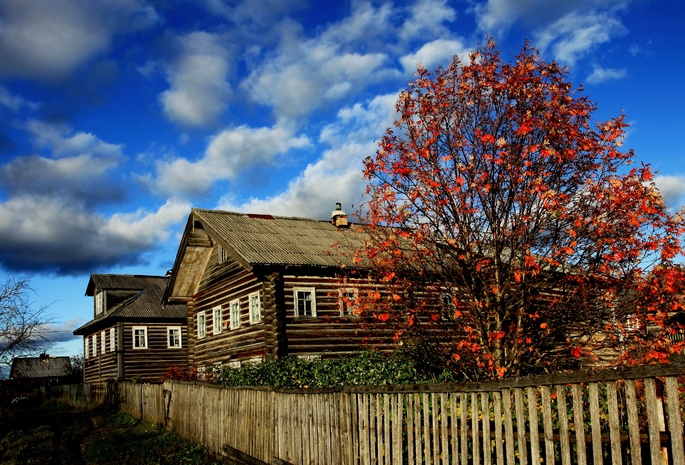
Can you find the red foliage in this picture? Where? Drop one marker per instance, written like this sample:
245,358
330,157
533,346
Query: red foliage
511,230
180,374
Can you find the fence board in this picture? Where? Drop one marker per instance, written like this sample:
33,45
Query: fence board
475,436
653,414
497,411
546,399
578,423
614,427
464,428
563,425
595,424
521,426
534,428
675,422
508,426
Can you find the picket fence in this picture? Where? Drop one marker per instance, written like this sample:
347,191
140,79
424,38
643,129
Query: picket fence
632,416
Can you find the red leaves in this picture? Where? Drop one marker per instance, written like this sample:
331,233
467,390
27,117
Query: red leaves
510,197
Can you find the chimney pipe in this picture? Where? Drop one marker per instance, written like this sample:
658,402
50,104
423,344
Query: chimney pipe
339,217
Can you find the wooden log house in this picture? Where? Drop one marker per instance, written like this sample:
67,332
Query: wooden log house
132,334
261,287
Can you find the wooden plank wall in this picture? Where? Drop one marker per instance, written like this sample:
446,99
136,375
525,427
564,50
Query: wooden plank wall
632,416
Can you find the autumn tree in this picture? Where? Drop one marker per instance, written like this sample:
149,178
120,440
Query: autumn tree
512,233
23,325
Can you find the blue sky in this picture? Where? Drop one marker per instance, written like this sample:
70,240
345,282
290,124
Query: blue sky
118,116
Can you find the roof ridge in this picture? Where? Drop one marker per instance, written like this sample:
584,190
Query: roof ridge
259,215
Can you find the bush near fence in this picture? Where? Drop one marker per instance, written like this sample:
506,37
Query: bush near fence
619,416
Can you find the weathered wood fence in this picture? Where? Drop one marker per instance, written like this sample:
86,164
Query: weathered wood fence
632,416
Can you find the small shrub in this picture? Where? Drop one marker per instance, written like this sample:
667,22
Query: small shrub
180,374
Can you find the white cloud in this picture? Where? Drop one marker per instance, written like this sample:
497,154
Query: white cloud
199,90
15,102
600,75
426,19
577,34
228,154
337,175
47,39
672,190
434,54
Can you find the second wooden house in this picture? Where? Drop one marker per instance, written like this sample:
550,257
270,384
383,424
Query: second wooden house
261,287
132,334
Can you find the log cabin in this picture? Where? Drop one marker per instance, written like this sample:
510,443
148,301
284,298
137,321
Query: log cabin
132,334
260,287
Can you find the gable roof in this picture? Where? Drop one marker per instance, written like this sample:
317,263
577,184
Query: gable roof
144,303
40,367
259,240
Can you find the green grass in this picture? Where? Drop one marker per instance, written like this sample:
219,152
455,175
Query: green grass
59,435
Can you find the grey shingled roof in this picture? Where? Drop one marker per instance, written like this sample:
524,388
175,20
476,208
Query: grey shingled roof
275,240
40,367
146,304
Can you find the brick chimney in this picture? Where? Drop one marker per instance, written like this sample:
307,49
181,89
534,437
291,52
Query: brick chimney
339,217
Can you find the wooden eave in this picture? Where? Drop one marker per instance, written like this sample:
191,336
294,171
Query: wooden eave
192,258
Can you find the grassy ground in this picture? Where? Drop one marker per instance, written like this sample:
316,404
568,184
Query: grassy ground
60,435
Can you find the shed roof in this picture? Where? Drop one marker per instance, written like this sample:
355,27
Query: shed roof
40,367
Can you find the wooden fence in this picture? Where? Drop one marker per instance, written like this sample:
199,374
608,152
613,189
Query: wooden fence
632,416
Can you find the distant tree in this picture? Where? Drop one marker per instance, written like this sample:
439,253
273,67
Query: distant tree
513,234
23,326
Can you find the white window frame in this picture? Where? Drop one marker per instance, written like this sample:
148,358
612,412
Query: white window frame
234,313
133,332
95,345
217,328
176,330
103,345
349,307
201,325
86,348
112,340
304,299
255,305
99,302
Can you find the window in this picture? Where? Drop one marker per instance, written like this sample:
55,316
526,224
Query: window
140,337
235,314
201,325
112,340
255,308
173,337
95,345
99,302
103,346
348,301
86,348
305,301
217,320
223,255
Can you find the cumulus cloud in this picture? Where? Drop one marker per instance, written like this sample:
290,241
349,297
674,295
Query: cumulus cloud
433,54
228,154
600,75
51,234
199,90
15,102
577,34
76,166
672,190
337,175
426,19
306,74
47,39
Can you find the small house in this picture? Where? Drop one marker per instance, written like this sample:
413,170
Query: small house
132,335
43,370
